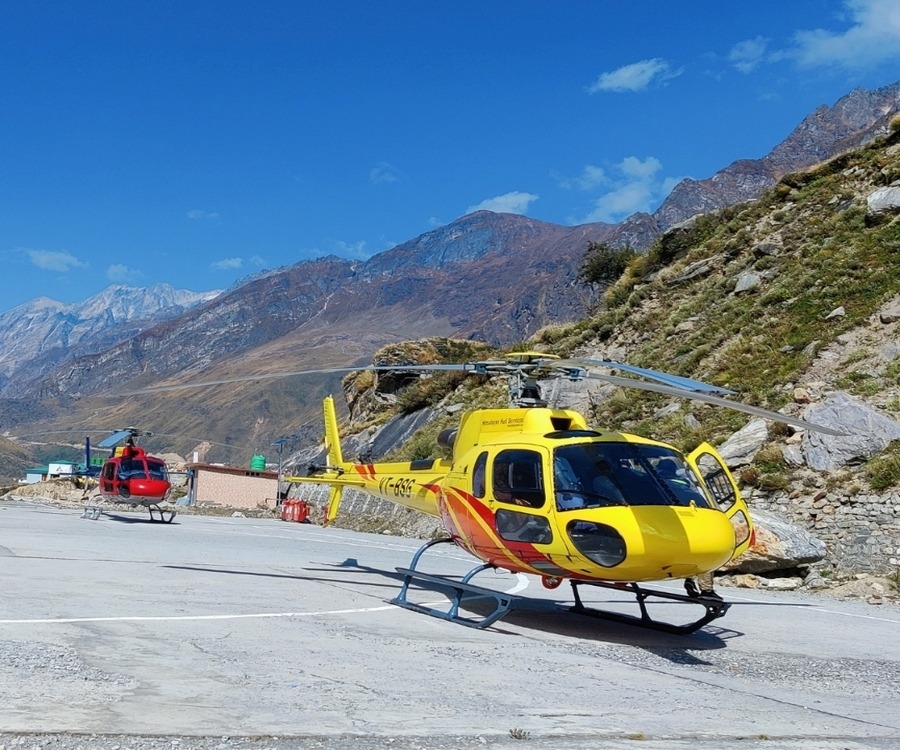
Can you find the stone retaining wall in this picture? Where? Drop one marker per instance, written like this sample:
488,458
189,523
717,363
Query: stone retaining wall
861,530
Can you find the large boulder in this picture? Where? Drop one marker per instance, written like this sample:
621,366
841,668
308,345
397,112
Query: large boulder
744,444
866,432
778,545
885,200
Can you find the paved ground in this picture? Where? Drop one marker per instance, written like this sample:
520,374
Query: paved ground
234,632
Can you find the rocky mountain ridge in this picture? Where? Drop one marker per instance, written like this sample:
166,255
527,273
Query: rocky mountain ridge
38,335
853,121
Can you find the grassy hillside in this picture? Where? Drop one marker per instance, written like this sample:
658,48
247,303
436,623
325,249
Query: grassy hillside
806,248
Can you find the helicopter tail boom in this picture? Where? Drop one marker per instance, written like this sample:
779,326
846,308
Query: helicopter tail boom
412,484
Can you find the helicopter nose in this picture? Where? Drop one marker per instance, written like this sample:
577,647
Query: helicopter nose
654,542
149,488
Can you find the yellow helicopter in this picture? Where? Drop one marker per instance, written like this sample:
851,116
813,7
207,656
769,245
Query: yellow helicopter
533,489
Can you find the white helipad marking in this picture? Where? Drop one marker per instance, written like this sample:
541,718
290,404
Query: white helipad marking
176,618
520,586
522,583
810,607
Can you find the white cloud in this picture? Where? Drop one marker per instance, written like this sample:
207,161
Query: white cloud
54,260
591,177
515,202
227,264
872,39
633,167
746,56
198,214
635,185
120,273
351,250
382,174
621,203
634,77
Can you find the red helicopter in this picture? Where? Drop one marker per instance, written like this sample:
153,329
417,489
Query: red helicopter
129,476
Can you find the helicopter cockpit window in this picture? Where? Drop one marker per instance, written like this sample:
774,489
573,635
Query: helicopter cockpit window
157,470
595,474
130,468
518,478
479,488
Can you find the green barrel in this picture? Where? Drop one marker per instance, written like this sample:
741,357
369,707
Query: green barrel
258,462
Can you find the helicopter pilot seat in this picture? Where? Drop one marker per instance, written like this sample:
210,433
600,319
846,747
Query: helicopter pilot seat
604,484
685,490
569,489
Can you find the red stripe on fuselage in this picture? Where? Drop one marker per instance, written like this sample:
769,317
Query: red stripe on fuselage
366,471
476,527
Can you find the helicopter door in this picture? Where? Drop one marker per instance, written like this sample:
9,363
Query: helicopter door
108,476
724,490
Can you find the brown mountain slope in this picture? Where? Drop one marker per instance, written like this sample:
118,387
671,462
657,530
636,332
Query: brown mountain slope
495,277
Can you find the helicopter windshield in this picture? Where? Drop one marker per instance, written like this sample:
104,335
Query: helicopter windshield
157,469
598,474
132,468
138,468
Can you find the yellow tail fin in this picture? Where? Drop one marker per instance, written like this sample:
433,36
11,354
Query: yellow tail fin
335,457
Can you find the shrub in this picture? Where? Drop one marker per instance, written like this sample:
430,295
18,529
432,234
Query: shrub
604,264
883,471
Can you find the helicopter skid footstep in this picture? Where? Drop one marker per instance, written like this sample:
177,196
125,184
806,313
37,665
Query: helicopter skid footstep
461,589
714,608
92,512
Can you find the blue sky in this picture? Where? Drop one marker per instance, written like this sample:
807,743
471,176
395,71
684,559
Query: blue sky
196,143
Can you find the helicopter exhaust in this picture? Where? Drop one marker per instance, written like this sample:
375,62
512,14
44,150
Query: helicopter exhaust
447,438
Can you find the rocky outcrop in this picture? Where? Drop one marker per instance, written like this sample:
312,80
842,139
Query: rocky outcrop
778,545
883,201
743,445
866,432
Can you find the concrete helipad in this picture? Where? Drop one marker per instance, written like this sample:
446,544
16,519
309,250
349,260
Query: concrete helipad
238,627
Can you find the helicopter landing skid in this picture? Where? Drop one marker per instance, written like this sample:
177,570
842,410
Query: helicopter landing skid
91,511
460,589
162,514
714,607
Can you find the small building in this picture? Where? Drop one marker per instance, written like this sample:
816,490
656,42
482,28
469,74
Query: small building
35,474
57,469
231,486
53,470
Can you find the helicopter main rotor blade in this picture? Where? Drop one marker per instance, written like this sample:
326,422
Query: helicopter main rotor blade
711,399
676,381
294,373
